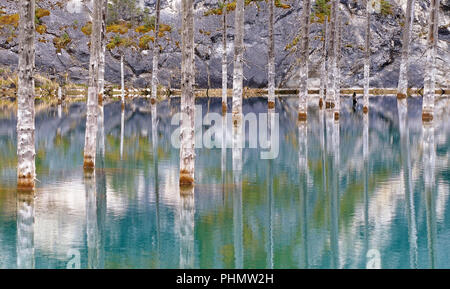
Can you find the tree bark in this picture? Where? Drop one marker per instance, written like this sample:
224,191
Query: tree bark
430,69
331,93
238,70
271,66
90,145
26,170
367,61
101,68
407,28
187,141
156,54
122,81
224,60
338,66
324,66
303,65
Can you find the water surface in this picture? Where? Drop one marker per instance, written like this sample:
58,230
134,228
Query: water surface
361,192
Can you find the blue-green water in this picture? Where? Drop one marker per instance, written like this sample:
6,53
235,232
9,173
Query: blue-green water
361,192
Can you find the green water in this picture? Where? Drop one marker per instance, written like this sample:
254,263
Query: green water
356,193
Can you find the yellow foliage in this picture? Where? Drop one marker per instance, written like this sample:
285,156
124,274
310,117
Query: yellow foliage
10,20
143,29
87,29
144,41
41,13
41,29
121,28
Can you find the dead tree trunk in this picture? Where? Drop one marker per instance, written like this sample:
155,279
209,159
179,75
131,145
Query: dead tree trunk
224,60
331,80
156,54
271,66
407,29
324,66
303,65
90,145
238,73
430,69
187,141
367,61
26,170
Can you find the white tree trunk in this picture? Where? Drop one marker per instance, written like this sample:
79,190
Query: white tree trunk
224,60
101,68
367,61
26,170
122,82
430,69
303,64
238,70
187,141
156,55
271,66
187,229
407,30
338,67
90,145
331,93
323,66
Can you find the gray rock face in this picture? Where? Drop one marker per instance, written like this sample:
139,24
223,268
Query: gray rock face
385,43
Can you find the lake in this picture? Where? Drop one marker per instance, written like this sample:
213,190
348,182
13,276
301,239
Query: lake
362,192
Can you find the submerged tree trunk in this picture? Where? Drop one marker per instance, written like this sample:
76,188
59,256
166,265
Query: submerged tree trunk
303,65
323,66
156,55
271,76
238,73
338,66
26,170
224,60
331,80
122,82
90,144
367,61
187,141
430,69
407,28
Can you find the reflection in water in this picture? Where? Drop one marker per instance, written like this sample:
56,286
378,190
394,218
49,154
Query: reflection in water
405,150
323,202
122,132
303,168
25,230
237,195
429,156
187,227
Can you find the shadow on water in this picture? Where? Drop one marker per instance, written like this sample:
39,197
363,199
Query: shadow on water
363,191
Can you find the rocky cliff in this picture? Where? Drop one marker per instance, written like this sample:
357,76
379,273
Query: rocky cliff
68,17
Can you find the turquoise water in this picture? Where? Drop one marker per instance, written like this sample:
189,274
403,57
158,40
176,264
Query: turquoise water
361,192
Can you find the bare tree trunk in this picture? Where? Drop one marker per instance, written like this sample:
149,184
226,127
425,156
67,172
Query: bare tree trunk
403,74
187,141
101,68
271,76
122,82
338,66
367,61
90,145
156,54
331,93
430,69
26,170
238,70
224,60
323,66
303,65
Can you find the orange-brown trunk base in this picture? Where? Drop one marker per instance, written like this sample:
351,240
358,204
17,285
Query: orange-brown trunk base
320,103
427,117
88,164
271,104
25,184
302,116
336,115
224,108
365,109
329,104
152,101
401,95
186,180
123,106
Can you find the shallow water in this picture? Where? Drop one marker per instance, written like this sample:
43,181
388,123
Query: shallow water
359,193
